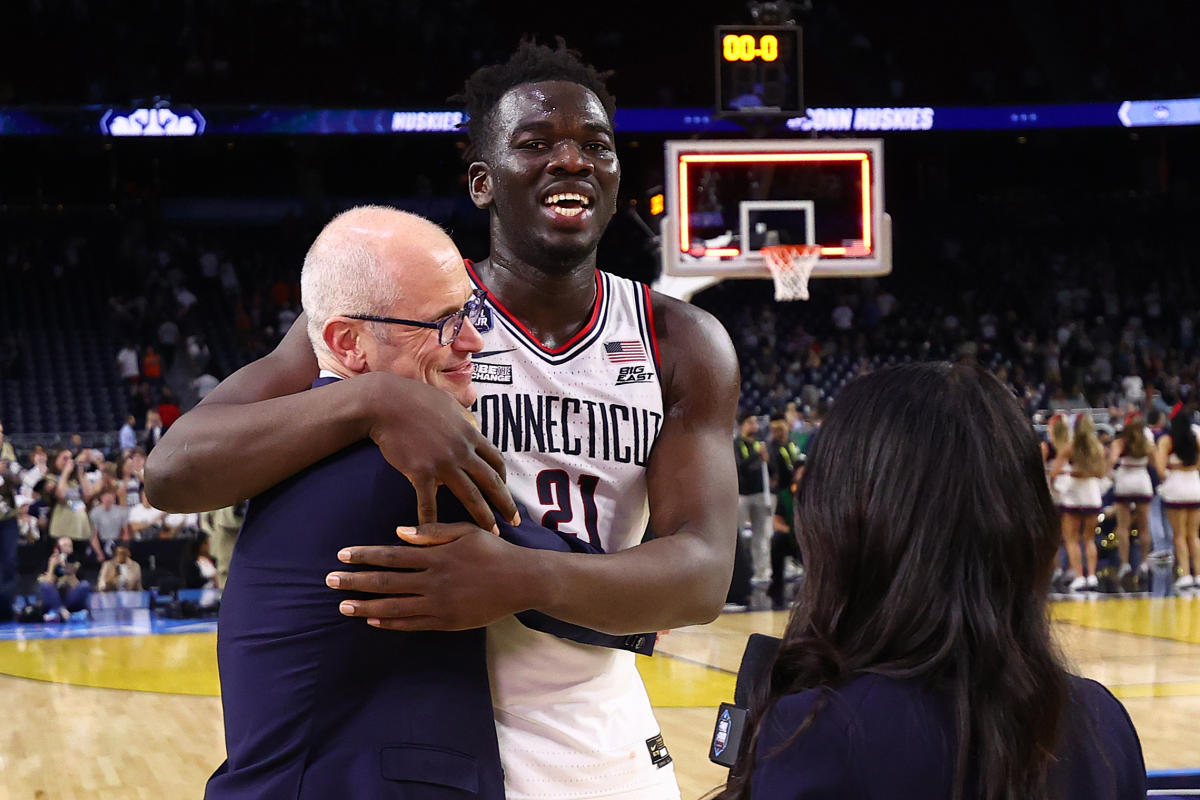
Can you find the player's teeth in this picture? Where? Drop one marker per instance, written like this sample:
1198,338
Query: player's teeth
569,212
558,198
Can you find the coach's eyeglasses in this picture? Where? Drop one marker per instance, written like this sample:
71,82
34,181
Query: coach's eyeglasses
447,327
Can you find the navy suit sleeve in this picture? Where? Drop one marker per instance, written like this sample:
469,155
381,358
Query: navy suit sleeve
529,534
811,766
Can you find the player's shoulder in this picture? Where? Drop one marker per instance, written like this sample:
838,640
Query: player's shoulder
682,319
694,348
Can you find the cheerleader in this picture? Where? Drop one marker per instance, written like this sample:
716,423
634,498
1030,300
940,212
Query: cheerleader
1058,439
1132,489
1080,500
1178,455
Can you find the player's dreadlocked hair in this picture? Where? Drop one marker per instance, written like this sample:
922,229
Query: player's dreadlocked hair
530,63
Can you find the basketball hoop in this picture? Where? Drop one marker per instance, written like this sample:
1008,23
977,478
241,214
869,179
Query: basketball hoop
791,265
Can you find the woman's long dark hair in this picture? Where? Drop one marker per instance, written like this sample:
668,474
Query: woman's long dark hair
928,536
1183,440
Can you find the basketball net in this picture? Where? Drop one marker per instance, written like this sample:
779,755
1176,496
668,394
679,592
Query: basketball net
791,265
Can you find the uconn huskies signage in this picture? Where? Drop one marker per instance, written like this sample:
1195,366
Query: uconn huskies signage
152,122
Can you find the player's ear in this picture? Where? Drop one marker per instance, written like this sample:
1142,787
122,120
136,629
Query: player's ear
479,181
344,338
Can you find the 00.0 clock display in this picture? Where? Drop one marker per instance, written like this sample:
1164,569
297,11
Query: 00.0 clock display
748,48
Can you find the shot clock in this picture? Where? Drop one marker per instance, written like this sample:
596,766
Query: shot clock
759,70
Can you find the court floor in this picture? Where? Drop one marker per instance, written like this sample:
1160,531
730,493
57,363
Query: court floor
138,716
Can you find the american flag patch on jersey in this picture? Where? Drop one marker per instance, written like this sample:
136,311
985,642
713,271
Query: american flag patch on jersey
622,352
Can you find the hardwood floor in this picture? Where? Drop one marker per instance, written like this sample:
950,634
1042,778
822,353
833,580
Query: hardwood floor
138,716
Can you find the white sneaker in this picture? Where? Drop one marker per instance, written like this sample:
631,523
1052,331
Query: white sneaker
1079,584
1093,583
1185,583
1123,571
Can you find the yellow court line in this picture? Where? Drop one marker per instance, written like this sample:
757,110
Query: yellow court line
1142,690
677,683
165,663
1174,618
187,664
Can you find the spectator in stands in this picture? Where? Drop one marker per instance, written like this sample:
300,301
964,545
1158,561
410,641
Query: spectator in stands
120,573
37,470
153,431
842,315
44,497
152,366
889,684
222,526
73,492
110,524
198,570
203,384
59,587
755,502
127,436
179,524
198,353
168,340
129,482
10,532
7,452
168,408
144,519
127,363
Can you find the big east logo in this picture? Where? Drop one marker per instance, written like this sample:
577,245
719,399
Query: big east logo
633,375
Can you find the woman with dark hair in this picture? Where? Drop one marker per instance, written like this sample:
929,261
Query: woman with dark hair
1132,488
1178,457
1080,500
128,481
198,570
918,662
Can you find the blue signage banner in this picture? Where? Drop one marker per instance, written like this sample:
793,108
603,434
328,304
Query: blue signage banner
165,121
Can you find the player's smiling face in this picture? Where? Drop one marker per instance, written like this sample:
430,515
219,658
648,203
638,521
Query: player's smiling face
551,173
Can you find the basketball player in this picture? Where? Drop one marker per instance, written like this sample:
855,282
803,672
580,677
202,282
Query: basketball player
602,395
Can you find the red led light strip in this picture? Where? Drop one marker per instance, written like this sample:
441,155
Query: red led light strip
758,158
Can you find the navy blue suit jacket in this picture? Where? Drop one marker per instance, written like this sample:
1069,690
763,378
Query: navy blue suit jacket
318,705
881,738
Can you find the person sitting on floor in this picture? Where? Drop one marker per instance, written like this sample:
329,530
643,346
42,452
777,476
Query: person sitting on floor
59,588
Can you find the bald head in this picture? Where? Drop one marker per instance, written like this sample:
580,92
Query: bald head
371,260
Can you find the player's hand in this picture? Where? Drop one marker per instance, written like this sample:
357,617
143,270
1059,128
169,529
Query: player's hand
423,432
464,577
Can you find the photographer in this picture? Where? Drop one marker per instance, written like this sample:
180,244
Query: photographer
59,587
74,491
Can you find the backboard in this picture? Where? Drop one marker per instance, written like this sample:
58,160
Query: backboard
726,199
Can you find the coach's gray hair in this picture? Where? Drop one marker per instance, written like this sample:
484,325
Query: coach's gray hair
343,274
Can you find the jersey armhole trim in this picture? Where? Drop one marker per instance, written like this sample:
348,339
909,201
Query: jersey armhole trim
650,326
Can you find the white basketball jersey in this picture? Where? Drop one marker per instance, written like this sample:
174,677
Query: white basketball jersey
576,425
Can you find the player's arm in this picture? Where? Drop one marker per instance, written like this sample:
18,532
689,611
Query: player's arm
259,427
679,578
